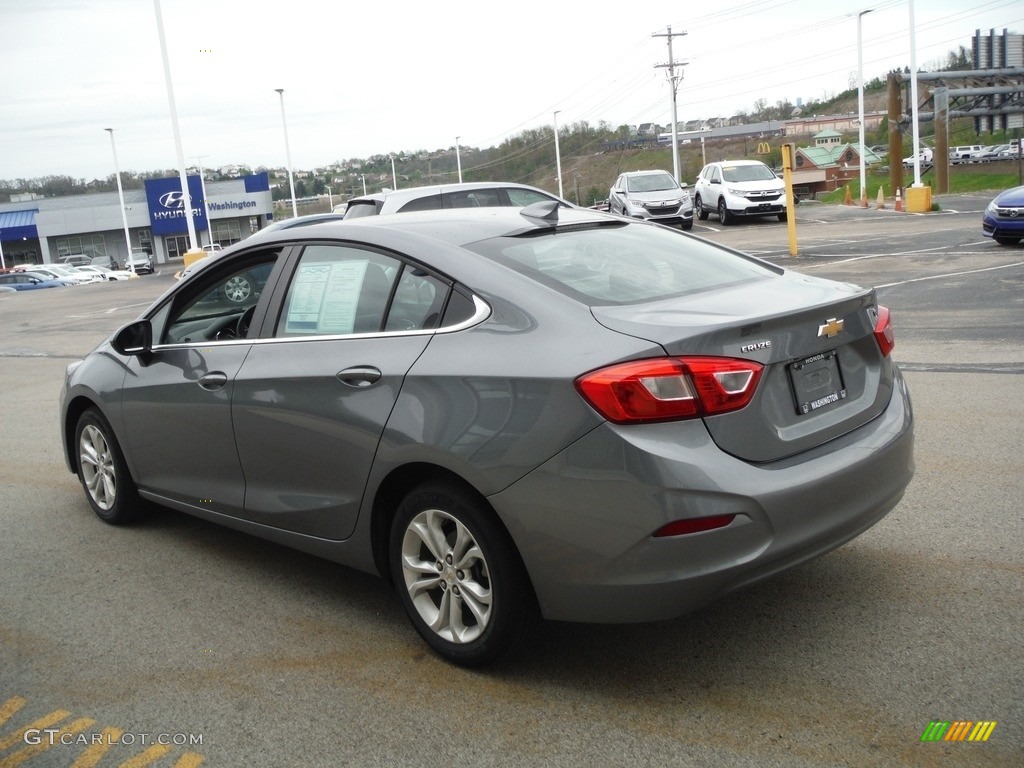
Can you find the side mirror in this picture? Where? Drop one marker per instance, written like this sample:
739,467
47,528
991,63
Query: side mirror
134,339
618,191
684,185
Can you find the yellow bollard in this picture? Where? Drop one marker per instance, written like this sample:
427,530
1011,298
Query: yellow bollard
847,198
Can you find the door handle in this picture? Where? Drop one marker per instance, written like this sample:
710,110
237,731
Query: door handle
360,376
213,381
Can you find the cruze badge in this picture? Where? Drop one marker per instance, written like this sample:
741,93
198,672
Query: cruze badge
831,328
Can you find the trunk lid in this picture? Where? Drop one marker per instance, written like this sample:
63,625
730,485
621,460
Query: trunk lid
824,372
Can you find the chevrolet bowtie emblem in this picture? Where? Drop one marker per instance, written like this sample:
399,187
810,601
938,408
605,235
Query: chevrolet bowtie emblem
831,328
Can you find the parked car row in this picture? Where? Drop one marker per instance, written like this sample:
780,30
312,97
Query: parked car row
25,277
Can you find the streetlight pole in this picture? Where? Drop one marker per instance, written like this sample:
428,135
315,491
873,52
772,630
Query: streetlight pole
916,130
330,199
458,158
860,107
558,156
288,154
120,198
3,264
206,200
394,176
180,153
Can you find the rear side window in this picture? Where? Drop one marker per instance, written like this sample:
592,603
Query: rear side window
341,290
427,203
624,264
525,197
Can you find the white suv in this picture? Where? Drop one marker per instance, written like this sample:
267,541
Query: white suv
734,188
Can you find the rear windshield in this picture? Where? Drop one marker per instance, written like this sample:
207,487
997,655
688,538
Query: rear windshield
623,263
359,208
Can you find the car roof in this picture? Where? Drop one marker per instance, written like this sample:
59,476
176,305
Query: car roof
457,226
645,173
439,189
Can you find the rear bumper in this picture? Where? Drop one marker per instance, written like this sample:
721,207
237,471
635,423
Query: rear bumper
590,512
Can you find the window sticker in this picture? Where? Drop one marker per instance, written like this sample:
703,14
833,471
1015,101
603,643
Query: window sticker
324,297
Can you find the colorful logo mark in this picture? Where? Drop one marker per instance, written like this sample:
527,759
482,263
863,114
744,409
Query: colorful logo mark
958,730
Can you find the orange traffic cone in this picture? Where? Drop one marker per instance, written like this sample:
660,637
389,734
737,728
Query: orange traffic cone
899,200
847,198
881,198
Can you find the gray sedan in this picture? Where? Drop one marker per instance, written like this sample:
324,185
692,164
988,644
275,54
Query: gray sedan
510,414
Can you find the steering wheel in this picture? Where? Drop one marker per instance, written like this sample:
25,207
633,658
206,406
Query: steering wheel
242,326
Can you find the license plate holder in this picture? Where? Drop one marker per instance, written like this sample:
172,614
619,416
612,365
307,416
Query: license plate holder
817,382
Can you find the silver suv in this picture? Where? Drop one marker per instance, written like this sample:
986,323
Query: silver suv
735,188
139,262
652,195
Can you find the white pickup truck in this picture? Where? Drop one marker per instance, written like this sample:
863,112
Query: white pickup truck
970,153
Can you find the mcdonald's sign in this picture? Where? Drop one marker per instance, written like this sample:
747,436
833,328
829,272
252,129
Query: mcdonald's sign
764,148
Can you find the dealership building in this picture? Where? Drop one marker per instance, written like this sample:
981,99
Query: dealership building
45,229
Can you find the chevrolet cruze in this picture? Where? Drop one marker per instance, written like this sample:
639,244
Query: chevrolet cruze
510,414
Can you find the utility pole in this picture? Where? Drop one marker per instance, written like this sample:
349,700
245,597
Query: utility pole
674,85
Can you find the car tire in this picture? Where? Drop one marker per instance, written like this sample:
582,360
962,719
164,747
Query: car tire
687,225
239,288
103,471
459,576
1007,240
723,213
783,216
698,208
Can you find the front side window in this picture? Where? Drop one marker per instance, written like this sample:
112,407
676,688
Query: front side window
477,198
212,306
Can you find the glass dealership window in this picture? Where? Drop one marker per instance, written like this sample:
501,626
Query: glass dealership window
90,245
226,232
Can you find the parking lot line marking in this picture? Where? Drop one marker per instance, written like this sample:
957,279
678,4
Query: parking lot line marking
17,758
951,274
43,722
95,752
148,757
9,707
189,760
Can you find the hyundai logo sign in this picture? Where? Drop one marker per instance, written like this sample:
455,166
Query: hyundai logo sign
166,200
173,200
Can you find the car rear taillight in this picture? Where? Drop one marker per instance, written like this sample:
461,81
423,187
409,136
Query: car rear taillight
670,388
884,334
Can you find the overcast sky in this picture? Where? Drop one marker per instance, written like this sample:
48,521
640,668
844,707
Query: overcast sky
365,78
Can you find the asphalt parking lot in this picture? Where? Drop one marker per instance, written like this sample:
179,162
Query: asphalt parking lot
208,647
